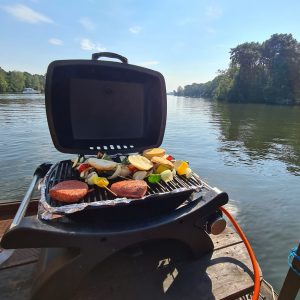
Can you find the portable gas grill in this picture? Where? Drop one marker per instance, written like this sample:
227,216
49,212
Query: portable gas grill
116,108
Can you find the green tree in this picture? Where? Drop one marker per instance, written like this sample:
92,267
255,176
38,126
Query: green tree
16,81
247,58
42,83
3,82
281,56
179,91
223,87
35,82
27,79
258,72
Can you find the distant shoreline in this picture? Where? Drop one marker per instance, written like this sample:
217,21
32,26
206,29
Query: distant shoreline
236,102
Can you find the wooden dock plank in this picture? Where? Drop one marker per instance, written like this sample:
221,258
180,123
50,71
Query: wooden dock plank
15,283
226,274
153,272
4,224
228,238
20,257
231,272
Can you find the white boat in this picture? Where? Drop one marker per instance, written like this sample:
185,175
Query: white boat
30,91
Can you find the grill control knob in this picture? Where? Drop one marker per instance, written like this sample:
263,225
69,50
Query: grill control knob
216,226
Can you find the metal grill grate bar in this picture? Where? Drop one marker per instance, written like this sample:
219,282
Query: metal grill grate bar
64,171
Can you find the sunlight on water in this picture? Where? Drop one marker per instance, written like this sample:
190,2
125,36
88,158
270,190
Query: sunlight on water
232,207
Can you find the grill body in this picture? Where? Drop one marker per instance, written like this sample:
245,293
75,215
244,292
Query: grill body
76,242
72,248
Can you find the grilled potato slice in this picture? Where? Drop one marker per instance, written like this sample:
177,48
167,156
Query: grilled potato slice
149,153
162,161
140,162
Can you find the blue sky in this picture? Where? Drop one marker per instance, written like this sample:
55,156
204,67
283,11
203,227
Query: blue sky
187,41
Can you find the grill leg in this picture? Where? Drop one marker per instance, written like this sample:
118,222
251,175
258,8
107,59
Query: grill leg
196,239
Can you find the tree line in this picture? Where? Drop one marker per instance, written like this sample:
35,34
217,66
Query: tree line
267,72
15,81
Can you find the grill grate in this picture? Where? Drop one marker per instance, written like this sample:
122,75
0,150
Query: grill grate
64,171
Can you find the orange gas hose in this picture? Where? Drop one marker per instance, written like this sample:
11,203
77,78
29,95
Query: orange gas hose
250,251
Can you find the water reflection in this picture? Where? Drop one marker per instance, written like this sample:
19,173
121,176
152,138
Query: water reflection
24,142
26,97
251,152
251,133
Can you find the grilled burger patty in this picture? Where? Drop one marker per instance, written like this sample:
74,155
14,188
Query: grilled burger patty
69,191
130,188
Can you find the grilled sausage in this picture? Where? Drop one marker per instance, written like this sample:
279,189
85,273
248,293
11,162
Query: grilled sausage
130,188
69,191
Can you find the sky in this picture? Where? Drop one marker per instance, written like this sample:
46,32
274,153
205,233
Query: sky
187,41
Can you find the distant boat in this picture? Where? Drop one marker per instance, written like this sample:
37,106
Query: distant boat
30,91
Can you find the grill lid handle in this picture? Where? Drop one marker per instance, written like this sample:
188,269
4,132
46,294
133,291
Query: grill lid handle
123,59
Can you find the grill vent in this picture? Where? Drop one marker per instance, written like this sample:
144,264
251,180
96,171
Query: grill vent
112,147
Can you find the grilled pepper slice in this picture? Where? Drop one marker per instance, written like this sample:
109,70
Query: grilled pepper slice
154,178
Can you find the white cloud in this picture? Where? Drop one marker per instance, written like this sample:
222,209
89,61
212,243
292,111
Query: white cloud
213,11
149,63
135,29
26,14
87,23
56,42
88,45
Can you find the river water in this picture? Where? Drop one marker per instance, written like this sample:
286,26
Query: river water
251,151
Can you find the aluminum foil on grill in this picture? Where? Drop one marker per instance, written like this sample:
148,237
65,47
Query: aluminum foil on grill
48,210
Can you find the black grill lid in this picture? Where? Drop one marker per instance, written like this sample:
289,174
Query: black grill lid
105,106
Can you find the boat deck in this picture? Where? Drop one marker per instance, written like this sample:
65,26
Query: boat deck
148,273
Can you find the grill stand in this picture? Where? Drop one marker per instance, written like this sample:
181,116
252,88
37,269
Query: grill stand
84,245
